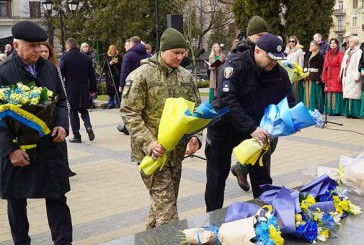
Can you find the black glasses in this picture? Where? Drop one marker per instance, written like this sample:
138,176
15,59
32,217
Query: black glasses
292,41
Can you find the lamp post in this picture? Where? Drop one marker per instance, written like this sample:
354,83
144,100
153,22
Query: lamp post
157,23
72,5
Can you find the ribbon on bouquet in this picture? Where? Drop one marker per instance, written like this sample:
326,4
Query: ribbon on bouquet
24,117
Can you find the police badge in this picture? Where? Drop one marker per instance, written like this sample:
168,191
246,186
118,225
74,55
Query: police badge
228,72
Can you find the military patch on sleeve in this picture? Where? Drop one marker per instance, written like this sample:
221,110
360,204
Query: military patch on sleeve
128,82
228,72
226,85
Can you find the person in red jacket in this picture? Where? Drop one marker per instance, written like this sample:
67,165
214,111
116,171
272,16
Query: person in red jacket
331,78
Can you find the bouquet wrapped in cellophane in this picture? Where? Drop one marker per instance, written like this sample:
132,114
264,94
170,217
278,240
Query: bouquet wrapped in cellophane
245,223
294,71
278,120
26,112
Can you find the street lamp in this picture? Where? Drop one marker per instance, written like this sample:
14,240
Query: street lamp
72,5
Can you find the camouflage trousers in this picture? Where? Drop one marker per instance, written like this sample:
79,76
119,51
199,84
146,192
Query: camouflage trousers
163,190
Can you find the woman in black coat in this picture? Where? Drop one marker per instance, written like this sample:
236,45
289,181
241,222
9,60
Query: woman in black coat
111,68
313,87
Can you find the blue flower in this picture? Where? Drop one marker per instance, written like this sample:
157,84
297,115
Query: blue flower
309,231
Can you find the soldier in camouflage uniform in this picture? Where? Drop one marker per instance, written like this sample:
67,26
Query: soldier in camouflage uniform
143,99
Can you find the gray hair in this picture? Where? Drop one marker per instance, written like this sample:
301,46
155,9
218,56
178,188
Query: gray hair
84,45
355,39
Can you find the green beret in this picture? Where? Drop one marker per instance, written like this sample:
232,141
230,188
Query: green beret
28,31
171,39
256,25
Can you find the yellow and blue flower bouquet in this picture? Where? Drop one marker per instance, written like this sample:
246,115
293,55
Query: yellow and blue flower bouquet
294,71
26,112
180,119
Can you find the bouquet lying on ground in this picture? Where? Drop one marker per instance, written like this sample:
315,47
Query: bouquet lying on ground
294,71
251,226
180,120
26,112
278,120
314,213
350,173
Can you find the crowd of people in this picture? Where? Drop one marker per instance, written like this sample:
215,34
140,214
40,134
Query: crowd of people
139,82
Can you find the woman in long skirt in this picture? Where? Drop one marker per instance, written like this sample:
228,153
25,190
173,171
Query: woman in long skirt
313,89
333,89
351,79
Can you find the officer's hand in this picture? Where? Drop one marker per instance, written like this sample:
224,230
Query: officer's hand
58,134
193,145
19,158
121,89
260,135
157,149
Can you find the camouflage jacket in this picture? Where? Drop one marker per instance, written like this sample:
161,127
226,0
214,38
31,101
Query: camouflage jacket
144,95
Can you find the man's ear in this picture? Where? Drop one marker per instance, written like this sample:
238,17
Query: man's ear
15,44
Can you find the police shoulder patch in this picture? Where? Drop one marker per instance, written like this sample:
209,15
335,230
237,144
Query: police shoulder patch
128,82
228,72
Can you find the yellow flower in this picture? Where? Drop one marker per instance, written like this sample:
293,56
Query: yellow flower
34,101
298,217
275,235
49,93
354,209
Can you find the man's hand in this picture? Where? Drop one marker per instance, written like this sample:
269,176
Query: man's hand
58,134
121,89
260,135
193,146
19,158
157,149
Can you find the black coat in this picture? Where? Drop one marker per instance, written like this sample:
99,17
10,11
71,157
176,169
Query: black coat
112,73
47,176
246,90
316,62
80,78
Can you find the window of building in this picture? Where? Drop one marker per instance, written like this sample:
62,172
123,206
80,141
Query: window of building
355,21
34,10
5,8
355,4
340,22
341,4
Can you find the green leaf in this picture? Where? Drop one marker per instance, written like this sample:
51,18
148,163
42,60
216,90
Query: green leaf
43,97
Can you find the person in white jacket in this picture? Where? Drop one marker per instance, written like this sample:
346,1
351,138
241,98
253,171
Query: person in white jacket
351,79
295,54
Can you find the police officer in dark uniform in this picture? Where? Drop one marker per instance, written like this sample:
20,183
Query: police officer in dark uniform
256,28
250,81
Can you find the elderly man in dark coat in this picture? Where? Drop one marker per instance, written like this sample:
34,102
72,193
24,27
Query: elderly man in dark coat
80,81
41,172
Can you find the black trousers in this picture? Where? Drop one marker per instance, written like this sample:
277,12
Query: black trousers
218,155
59,220
75,121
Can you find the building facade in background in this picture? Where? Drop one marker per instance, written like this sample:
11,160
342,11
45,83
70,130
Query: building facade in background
348,16
13,11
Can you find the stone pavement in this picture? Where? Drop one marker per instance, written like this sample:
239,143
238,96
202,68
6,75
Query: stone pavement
108,199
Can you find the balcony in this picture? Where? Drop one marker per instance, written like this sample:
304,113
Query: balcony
339,31
339,12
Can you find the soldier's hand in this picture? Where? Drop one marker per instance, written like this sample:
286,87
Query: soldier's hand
193,146
260,135
19,158
121,89
157,149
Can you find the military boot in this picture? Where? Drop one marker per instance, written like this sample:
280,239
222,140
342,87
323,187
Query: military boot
241,176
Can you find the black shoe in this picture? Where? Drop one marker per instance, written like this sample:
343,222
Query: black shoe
110,107
90,133
75,140
71,173
242,178
122,129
